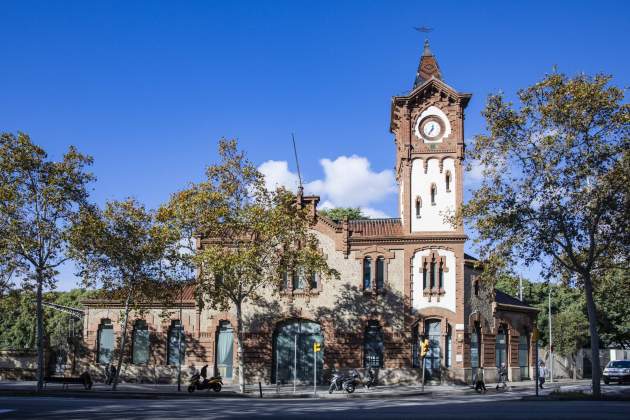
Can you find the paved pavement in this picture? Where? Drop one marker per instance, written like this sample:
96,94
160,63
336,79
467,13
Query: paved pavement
438,405
154,391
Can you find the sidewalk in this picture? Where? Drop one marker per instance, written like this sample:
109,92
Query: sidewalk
165,391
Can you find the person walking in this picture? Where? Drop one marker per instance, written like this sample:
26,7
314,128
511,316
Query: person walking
480,385
502,376
112,374
542,371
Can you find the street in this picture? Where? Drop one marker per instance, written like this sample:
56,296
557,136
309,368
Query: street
441,405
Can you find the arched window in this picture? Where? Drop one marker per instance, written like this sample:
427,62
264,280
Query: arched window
433,194
523,355
367,272
373,346
380,273
425,286
449,347
225,349
501,347
298,280
418,206
105,341
433,269
447,181
475,349
140,343
176,343
286,285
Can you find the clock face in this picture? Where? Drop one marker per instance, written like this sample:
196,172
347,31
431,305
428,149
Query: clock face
431,128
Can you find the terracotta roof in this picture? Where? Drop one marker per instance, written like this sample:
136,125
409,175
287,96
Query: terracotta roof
376,227
188,293
505,299
188,296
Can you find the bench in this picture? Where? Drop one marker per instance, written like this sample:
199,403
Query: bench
66,381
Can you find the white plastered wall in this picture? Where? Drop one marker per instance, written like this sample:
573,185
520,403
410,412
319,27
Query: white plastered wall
447,300
432,216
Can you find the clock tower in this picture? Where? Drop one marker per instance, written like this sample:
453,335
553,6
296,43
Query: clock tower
428,124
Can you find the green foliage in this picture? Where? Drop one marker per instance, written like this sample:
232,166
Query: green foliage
38,200
613,297
339,214
555,187
17,324
123,250
569,314
120,250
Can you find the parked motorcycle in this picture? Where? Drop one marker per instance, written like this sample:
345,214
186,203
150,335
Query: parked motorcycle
340,382
196,383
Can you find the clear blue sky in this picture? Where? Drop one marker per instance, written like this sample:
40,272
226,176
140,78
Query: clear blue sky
147,88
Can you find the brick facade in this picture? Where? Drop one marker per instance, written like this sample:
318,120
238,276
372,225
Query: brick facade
343,308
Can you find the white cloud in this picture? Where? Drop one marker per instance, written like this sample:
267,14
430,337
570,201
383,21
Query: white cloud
373,213
476,172
348,182
277,174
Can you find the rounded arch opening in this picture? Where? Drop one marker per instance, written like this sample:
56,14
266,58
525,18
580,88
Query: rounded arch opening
293,341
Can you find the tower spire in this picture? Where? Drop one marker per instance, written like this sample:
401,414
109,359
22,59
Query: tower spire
428,66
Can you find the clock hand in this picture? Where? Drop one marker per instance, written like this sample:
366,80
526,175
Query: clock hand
431,129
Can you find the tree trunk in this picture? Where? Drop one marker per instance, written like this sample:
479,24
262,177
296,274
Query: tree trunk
123,341
40,333
592,323
239,346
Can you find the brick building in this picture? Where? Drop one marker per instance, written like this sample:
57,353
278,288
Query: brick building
401,279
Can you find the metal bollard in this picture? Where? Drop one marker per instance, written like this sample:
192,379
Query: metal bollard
260,389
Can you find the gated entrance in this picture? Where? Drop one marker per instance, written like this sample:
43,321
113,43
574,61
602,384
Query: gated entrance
293,352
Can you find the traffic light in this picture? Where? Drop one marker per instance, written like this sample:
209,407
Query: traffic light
424,347
317,347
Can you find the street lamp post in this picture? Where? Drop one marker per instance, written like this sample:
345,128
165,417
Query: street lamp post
179,343
550,340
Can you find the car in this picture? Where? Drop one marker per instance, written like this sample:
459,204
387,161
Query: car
617,371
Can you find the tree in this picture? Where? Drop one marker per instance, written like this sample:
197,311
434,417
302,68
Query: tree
555,188
340,214
17,325
121,250
612,295
39,199
249,236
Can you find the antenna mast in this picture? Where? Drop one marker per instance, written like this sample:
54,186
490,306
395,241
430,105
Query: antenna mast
297,164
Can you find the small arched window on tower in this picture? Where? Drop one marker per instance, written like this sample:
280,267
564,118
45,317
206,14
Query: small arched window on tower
447,181
367,273
433,194
418,206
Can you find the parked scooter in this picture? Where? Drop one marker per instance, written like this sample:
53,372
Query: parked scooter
340,382
196,383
